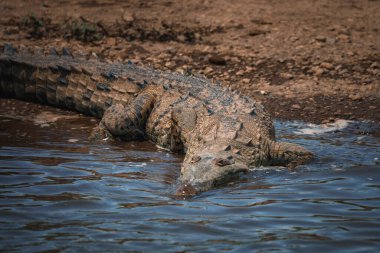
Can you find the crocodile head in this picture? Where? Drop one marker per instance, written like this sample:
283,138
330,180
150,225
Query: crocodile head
204,170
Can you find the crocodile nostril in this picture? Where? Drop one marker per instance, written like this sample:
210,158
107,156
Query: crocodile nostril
223,162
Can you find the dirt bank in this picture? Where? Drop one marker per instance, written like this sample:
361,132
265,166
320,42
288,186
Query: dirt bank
303,59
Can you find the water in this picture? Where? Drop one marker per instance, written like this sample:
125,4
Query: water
60,193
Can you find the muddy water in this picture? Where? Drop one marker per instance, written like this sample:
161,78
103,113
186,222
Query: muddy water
60,193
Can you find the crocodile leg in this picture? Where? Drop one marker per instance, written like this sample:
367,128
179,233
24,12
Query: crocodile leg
288,154
126,122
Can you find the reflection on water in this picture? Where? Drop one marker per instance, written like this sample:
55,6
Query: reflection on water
60,193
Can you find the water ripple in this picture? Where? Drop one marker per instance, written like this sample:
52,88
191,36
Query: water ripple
62,196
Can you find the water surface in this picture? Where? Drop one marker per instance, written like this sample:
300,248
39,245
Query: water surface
61,193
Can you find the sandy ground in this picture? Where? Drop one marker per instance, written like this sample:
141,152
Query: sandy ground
303,59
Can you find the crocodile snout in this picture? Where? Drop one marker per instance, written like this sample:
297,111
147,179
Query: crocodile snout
202,172
186,189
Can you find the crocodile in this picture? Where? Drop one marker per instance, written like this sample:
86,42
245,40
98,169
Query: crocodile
223,134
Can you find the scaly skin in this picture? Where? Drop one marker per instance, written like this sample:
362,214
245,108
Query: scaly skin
221,133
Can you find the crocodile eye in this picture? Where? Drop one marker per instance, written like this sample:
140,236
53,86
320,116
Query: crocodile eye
195,159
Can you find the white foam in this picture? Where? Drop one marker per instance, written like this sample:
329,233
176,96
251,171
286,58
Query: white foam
324,128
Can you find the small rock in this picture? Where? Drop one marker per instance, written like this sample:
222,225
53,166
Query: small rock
93,55
249,69
128,17
355,97
170,64
162,56
180,70
326,65
329,120
255,32
357,68
171,50
320,38
240,73
330,41
217,60
72,140
342,71
111,41
263,92
375,72
286,76
374,65
235,59
246,80
317,71
208,70
343,37
296,106
181,38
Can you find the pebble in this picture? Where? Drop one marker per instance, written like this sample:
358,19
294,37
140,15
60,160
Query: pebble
217,60
355,97
357,68
180,70
286,76
326,65
255,32
317,71
235,59
128,17
329,120
330,41
240,73
208,70
343,71
375,72
111,41
163,56
320,38
170,64
374,65
246,80
181,38
172,50
343,37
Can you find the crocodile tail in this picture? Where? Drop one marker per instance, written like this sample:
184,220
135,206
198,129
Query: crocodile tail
56,80
288,154
40,78
6,88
